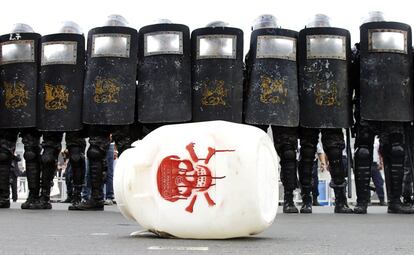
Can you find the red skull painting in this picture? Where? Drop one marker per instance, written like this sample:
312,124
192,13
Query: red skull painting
182,179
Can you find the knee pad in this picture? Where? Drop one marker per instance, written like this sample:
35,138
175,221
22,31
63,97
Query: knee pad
30,155
76,159
396,138
308,153
362,153
397,151
95,153
334,153
48,156
289,154
4,155
364,138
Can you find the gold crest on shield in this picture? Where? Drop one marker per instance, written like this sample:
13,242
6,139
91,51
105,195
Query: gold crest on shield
272,91
56,97
16,95
215,95
106,91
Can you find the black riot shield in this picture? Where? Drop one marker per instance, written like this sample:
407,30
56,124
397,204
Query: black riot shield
18,73
217,74
324,89
272,83
110,79
61,77
386,72
164,74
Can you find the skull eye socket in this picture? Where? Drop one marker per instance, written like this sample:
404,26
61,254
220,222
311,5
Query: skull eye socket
179,180
183,167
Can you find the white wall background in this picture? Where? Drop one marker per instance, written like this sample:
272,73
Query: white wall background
45,15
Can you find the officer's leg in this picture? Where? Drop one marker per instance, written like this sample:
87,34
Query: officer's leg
7,145
308,143
315,184
363,160
99,141
286,142
395,153
407,182
76,144
122,138
51,148
333,145
31,141
13,184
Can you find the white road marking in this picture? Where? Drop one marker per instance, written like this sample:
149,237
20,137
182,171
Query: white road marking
178,248
54,235
99,234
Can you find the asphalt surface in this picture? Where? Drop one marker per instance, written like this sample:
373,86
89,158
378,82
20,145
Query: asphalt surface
59,231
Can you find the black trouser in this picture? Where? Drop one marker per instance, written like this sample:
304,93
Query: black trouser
285,140
51,145
13,185
31,141
75,143
315,179
392,149
7,146
99,140
333,145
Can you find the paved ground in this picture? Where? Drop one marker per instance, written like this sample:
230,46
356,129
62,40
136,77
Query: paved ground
62,232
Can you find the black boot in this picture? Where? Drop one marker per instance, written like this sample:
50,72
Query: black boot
33,179
77,161
47,182
306,204
315,201
288,204
4,183
51,149
95,203
362,172
77,198
288,176
395,170
341,204
305,175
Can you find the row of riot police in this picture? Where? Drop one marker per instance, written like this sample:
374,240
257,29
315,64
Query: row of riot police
127,83
51,86
314,89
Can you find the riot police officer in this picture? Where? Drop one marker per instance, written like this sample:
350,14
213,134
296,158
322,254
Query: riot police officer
217,72
18,71
384,105
59,106
325,104
164,74
109,97
272,96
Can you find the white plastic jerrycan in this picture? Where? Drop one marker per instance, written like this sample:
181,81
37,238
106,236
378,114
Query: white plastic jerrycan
206,180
